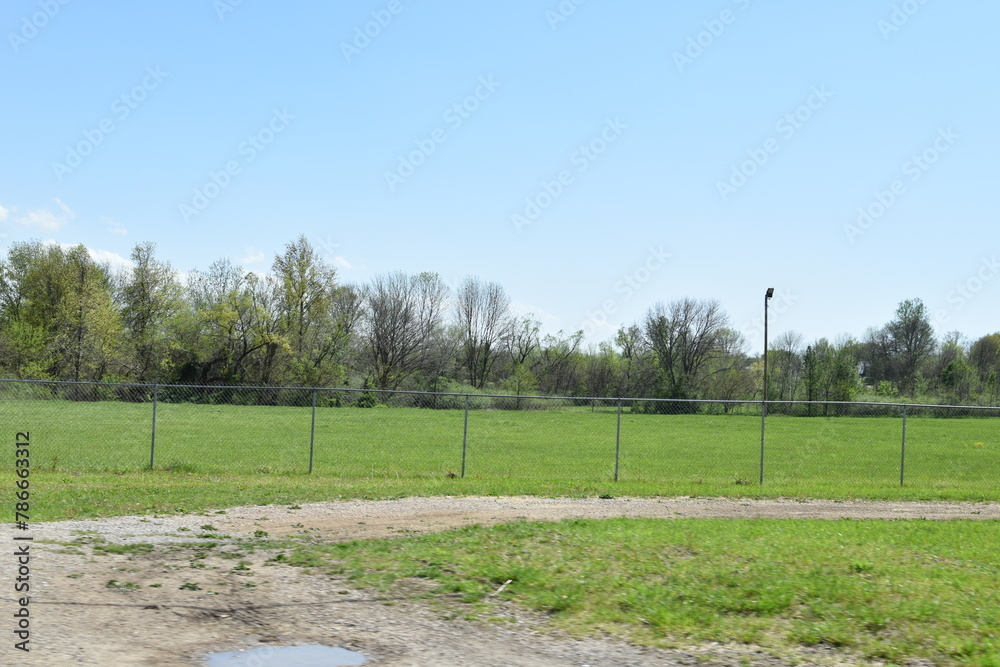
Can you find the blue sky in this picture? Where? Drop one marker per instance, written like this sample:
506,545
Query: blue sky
593,158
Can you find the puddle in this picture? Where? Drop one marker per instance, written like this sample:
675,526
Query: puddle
287,656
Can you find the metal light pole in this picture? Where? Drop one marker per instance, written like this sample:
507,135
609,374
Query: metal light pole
767,296
763,407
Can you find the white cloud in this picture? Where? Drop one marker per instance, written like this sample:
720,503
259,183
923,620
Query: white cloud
100,256
253,256
65,209
3,213
329,251
112,258
44,220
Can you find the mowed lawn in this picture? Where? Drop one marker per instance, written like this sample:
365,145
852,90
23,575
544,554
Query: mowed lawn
683,453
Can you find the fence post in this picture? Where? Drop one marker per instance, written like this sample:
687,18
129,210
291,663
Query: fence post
312,434
152,440
763,420
465,434
618,439
902,455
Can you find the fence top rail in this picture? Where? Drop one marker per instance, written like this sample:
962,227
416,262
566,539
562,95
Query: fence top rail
887,405
606,399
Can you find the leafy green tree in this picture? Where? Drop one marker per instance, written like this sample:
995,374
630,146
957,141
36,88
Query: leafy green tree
911,339
955,378
813,372
521,382
985,353
24,349
843,382
831,373
67,301
25,352
63,316
229,327
149,296
307,320
21,256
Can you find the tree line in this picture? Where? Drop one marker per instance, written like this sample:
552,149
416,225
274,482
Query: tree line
64,316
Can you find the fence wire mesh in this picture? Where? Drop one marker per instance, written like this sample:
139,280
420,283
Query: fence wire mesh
367,434
700,442
372,435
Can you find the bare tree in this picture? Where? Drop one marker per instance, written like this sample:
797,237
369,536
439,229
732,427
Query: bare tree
483,313
685,336
786,365
727,374
559,363
600,369
637,374
402,316
523,340
347,313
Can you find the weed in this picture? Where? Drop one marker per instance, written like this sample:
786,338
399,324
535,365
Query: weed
142,548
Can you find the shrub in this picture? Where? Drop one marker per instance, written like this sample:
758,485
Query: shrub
367,399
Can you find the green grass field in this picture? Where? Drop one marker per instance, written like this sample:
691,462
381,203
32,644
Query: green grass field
887,591
96,455
541,445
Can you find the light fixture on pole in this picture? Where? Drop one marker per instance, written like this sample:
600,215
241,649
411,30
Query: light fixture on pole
767,295
763,406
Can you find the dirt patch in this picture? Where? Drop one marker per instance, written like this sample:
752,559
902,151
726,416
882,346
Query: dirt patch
361,519
101,596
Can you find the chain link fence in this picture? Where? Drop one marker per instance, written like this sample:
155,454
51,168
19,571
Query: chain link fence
359,434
